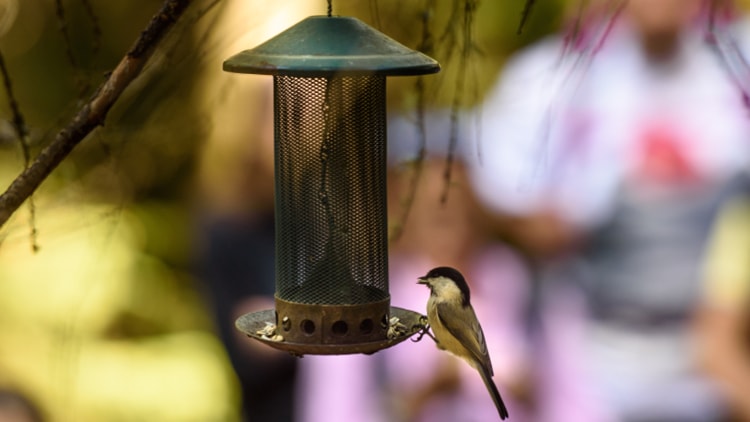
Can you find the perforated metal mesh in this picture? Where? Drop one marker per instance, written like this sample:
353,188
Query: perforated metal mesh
331,234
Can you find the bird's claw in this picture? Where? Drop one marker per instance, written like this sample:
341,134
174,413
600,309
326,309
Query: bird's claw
424,329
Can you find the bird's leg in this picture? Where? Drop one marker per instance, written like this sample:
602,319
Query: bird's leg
424,329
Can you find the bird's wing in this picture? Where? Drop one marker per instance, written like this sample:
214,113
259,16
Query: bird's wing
463,324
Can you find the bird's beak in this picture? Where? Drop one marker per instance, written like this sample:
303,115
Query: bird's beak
422,280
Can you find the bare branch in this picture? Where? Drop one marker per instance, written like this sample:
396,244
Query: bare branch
94,112
63,26
96,28
18,122
375,14
470,9
426,46
525,15
22,133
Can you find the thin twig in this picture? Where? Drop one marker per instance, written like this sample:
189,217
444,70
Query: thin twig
92,114
63,26
527,7
426,46
95,27
722,41
470,8
22,133
375,14
448,38
617,10
18,122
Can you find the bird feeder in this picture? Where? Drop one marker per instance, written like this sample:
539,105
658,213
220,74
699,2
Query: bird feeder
332,293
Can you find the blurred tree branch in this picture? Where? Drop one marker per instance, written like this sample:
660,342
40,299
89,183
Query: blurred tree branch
94,112
22,133
525,15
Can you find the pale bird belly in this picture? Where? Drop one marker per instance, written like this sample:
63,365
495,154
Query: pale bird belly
445,339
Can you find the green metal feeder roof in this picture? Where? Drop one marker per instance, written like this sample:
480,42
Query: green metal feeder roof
323,45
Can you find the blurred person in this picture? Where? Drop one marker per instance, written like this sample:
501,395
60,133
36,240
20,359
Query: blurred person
604,155
237,266
235,217
236,261
421,382
723,322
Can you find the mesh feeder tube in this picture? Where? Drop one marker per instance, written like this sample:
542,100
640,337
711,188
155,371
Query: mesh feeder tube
330,186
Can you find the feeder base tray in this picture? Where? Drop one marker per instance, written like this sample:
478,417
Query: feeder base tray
253,324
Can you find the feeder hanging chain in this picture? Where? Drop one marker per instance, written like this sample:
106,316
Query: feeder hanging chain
325,150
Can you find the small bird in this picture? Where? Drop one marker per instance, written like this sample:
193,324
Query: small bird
455,326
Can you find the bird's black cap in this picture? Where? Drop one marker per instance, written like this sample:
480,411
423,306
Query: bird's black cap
453,274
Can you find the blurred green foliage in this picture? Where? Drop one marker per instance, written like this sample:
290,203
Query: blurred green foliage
147,149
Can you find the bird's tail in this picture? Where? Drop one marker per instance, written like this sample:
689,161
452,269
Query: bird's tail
487,378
